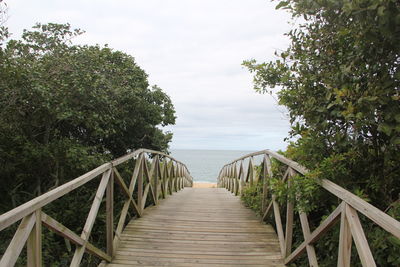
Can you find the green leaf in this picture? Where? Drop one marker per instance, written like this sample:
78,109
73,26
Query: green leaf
385,128
282,4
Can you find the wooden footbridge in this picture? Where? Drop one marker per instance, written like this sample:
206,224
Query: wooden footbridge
193,227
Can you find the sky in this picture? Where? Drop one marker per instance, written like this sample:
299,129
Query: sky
193,50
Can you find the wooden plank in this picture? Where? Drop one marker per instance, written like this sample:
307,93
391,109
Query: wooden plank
267,174
198,248
178,175
344,254
199,225
27,208
241,177
128,194
138,152
164,179
180,179
195,263
312,257
60,229
359,237
34,244
135,173
377,216
277,156
155,181
327,224
289,219
172,177
278,222
250,174
380,218
16,245
197,255
205,262
76,260
140,184
127,157
267,211
110,214
148,175
265,185
145,194
129,202
63,231
120,225
236,186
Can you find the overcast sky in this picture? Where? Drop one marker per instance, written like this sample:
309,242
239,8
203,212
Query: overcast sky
193,50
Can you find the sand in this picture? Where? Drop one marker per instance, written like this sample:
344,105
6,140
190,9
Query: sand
204,185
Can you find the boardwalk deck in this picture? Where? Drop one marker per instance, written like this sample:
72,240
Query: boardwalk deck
198,227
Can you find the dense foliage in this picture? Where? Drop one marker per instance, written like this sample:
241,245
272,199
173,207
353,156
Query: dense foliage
64,109
340,81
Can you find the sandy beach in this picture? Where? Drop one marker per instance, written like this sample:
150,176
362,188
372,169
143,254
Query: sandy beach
204,185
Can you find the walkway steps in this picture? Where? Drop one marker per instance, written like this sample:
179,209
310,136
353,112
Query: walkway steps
198,227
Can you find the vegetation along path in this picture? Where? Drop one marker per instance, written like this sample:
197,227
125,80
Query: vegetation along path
198,227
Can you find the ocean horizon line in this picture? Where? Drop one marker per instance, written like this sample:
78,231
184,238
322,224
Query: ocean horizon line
205,149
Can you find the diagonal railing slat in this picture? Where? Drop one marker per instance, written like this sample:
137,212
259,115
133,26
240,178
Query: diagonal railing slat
10,257
347,212
163,171
87,229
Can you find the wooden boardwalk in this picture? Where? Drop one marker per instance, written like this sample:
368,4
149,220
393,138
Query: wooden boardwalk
198,227
194,227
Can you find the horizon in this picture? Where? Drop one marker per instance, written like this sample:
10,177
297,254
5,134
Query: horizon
197,62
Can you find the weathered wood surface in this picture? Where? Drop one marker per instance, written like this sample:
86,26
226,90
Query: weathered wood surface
163,173
347,212
198,227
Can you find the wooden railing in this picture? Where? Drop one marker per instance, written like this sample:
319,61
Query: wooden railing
164,176
233,177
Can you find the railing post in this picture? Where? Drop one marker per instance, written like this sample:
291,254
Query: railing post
156,174
110,214
241,178
345,240
164,179
174,180
140,183
223,178
289,217
250,174
265,184
170,178
180,177
34,242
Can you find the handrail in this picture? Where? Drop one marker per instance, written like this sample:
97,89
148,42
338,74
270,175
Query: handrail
235,179
164,176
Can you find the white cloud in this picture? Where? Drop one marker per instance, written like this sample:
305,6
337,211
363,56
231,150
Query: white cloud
192,49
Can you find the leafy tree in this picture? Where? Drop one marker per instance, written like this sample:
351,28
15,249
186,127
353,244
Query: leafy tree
65,109
340,81
3,18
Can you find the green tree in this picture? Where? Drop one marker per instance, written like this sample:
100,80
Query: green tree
3,18
340,80
65,108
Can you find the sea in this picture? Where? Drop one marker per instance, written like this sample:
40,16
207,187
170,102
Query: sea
204,165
